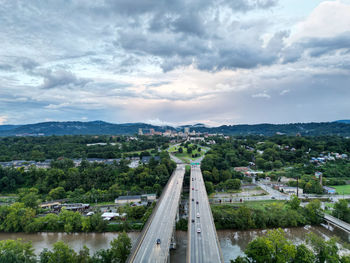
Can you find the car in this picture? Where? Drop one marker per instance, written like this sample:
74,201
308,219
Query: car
273,197
158,241
197,215
192,220
192,199
192,188
197,202
192,179
198,230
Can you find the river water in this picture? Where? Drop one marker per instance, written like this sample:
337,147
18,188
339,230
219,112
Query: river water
232,242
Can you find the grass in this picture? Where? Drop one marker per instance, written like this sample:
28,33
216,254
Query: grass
257,204
342,189
138,152
328,208
185,157
103,203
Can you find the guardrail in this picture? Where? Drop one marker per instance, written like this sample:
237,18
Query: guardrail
149,221
212,221
188,256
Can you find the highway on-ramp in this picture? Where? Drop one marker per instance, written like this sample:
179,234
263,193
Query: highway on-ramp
161,223
203,244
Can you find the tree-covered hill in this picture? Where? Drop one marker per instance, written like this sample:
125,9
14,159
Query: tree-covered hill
341,128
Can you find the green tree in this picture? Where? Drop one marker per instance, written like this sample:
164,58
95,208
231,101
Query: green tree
314,212
304,255
57,193
61,253
274,248
294,203
260,250
94,223
325,251
233,184
72,221
16,251
120,248
341,210
209,187
29,196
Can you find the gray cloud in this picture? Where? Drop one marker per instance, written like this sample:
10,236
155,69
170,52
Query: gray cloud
124,60
62,78
316,47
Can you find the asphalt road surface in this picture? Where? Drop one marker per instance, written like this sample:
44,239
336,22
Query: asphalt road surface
203,246
162,224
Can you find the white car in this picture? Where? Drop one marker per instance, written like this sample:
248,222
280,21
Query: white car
198,230
197,215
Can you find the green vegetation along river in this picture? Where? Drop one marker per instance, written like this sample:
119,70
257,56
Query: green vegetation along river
232,242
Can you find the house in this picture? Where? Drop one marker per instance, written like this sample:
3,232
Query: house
241,169
50,205
286,179
128,199
329,190
110,215
290,190
149,198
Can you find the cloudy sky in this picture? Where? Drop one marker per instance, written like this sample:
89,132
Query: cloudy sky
174,61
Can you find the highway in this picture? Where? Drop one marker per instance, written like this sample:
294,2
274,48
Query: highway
161,223
204,246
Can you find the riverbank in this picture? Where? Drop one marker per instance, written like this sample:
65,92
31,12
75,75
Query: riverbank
232,242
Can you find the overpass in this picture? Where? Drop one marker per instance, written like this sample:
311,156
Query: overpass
203,243
337,222
161,224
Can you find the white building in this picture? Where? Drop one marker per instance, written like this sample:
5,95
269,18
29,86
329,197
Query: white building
290,190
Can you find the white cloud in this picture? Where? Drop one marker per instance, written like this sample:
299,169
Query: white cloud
3,119
328,19
159,122
285,91
261,95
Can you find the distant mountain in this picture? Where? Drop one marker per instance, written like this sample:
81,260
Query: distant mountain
341,128
343,121
77,128
8,127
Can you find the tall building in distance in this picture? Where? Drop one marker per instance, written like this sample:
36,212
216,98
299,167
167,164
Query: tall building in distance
151,131
140,131
187,130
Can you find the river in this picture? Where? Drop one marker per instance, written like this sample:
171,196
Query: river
232,242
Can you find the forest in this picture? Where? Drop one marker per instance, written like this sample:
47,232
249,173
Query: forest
79,146
94,181
274,247
289,214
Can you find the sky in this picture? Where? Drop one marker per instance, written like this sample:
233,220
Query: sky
174,61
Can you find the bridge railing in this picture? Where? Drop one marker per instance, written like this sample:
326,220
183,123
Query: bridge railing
149,221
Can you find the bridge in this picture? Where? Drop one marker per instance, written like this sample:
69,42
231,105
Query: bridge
203,243
337,222
161,224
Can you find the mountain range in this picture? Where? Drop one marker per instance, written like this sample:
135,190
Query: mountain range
341,128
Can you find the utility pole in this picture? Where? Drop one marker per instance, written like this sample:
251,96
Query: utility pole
297,185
